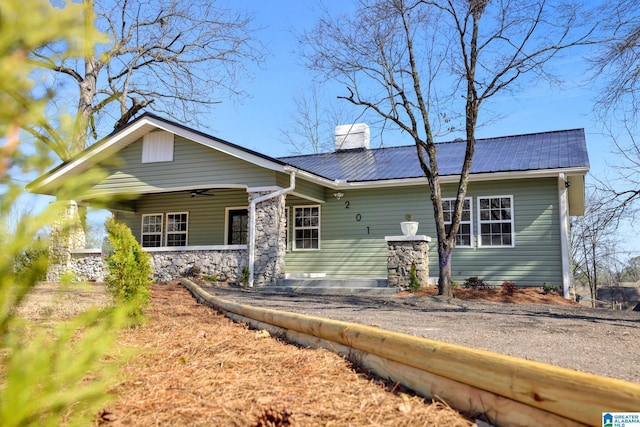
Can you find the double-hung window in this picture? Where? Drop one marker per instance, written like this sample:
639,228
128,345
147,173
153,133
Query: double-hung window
306,227
152,230
496,220
177,228
463,238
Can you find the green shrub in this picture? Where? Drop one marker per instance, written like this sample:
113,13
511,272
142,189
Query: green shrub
211,278
548,288
475,283
244,277
129,270
454,284
414,283
33,261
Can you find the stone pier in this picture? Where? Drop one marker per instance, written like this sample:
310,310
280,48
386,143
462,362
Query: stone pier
402,252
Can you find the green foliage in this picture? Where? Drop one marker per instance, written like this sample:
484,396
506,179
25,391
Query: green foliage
68,277
57,375
454,284
49,375
31,264
414,283
129,270
509,288
211,278
475,283
548,288
244,277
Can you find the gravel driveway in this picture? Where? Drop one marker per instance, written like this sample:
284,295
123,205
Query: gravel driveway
597,341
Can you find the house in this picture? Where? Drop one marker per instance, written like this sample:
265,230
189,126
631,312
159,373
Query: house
194,199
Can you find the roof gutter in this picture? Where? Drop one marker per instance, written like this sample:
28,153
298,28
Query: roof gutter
252,221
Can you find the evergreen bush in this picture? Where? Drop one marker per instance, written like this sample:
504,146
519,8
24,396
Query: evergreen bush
129,270
414,283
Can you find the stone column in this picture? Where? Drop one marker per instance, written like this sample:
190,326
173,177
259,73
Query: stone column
270,239
66,234
403,251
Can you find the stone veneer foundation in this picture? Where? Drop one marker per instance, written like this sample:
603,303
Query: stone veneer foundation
402,252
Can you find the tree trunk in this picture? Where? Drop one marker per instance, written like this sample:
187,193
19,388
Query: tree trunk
444,263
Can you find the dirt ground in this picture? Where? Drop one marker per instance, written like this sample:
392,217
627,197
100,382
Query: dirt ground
196,367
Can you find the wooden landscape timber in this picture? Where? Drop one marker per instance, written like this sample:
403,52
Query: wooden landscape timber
509,391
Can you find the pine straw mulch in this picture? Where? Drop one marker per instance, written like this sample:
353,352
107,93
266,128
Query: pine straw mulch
529,295
196,367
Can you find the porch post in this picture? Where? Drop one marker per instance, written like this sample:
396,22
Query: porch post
269,238
66,234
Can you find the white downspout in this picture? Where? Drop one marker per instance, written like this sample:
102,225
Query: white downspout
564,233
252,221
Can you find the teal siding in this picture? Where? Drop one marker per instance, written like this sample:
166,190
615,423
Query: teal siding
350,249
206,214
193,165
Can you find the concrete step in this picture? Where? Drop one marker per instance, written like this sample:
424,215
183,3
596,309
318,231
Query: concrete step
333,283
315,290
331,286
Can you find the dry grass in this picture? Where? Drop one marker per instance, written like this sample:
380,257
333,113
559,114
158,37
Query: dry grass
196,367
54,301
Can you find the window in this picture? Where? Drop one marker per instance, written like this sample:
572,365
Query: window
237,226
463,238
287,214
496,221
177,229
152,231
306,228
157,147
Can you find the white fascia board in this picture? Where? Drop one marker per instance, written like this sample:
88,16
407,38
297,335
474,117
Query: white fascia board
493,176
92,156
308,176
135,131
221,146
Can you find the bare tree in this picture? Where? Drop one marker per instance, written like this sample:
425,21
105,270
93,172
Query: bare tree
593,243
415,62
173,57
312,123
618,61
617,64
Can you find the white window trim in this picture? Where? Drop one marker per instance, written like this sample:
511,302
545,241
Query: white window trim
294,228
167,232
142,232
512,221
470,222
226,220
287,228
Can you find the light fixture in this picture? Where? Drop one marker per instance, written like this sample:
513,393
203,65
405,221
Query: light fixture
567,184
338,195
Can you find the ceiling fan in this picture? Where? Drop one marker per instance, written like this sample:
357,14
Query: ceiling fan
203,192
